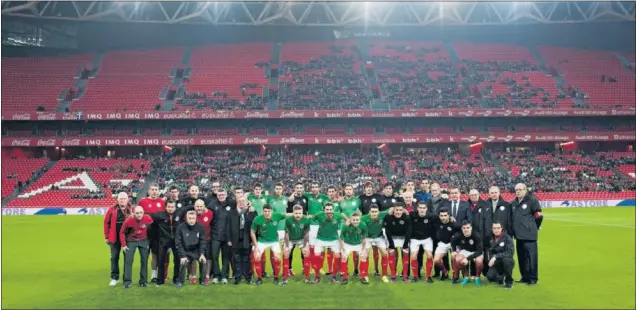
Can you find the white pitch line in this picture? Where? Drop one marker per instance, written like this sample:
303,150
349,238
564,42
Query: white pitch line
591,223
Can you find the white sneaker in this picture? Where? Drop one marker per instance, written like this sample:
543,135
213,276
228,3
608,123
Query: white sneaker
113,282
215,281
224,281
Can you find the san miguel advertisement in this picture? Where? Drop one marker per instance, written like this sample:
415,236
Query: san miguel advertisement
288,140
280,114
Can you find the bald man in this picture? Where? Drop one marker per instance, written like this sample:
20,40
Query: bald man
502,213
113,221
134,236
526,221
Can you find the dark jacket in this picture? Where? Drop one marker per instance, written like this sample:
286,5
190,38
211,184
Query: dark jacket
367,201
113,220
462,210
502,213
524,218
220,221
187,202
166,225
435,204
190,240
233,228
502,247
386,203
481,220
298,201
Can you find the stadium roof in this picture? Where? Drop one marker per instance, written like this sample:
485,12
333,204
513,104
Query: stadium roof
325,13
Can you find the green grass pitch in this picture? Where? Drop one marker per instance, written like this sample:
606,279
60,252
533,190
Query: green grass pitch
586,260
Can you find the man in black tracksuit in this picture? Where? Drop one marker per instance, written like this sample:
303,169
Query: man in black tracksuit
501,254
166,226
220,239
238,231
526,220
435,203
397,228
368,198
193,196
502,212
190,243
422,231
388,199
480,217
467,247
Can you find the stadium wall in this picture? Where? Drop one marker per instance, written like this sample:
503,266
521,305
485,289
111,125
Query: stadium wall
102,210
103,36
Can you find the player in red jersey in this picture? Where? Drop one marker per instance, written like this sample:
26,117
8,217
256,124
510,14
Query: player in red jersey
204,217
153,204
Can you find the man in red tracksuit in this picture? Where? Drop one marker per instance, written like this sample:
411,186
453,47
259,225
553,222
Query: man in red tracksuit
153,204
113,221
204,217
134,236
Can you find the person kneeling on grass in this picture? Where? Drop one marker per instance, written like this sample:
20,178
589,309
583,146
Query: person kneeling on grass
191,246
133,236
467,247
501,252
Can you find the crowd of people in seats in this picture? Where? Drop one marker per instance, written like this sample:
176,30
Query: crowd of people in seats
244,168
566,172
467,171
219,101
324,83
89,195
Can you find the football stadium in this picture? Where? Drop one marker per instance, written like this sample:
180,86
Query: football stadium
292,154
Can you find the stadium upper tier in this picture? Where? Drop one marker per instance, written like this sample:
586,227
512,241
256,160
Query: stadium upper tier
340,75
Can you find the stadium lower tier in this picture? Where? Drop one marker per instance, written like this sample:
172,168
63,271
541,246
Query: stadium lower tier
558,178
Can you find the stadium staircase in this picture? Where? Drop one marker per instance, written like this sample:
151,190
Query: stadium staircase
178,73
272,103
15,193
621,174
467,81
86,72
625,62
377,103
491,159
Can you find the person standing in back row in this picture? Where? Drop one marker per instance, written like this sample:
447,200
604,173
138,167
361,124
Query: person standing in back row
526,221
133,236
220,236
113,221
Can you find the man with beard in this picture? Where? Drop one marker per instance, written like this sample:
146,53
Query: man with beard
296,234
397,228
278,202
332,193
480,217
239,223
501,257
425,191
435,203
113,221
327,238
467,247
526,221
502,212
388,198
190,244
375,229
166,226
296,199
353,240
153,204
421,240
445,231
220,237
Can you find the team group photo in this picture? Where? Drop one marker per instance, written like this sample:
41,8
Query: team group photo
318,155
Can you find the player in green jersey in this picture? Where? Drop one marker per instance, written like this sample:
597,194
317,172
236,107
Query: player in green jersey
349,205
328,234
315,202
266,226
375,237
296,234
353,240
332,193
257,198
279,205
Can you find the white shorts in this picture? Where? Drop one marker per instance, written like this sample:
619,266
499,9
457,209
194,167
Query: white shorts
380,242
297,243
465,253
426,243
281,235
322,245
273,246
398,242
442,248
313,234
349,248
